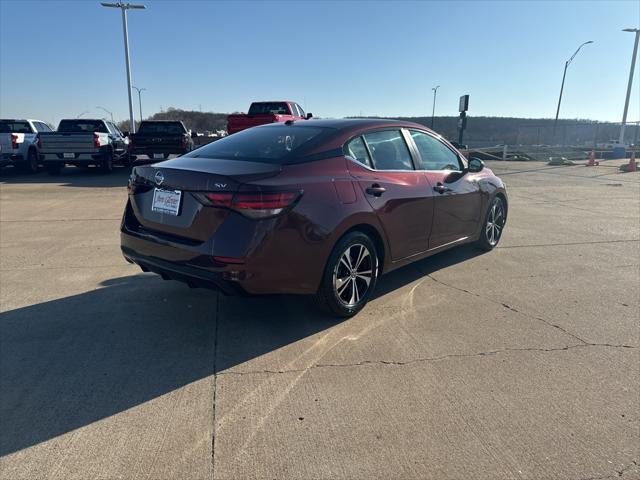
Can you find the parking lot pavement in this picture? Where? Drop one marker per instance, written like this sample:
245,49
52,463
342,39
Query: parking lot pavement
518,363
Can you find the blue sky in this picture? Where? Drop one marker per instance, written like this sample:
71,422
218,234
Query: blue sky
335,58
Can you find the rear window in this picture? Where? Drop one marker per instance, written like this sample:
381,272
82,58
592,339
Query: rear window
70,126
14,127
162,128
275,108
272,144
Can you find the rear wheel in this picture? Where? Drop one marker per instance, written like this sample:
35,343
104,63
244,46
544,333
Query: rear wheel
54,168
106,166
31,164
349,276
493,224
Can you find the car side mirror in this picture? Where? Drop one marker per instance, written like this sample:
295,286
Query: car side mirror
309,115
475,165
125,134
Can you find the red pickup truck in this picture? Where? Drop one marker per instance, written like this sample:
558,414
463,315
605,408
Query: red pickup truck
261,113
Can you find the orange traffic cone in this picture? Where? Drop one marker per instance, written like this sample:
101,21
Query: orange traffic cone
632,163
592,159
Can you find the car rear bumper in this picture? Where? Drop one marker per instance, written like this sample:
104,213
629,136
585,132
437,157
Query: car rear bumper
159,149
192,276
87,157
10,158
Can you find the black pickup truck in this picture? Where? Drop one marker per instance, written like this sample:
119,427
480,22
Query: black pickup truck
158,139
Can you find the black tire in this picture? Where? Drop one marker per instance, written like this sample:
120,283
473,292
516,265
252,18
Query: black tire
493,225
31,163
355,292
106,165
54,168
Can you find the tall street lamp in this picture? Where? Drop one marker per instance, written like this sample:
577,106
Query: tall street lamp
102,108
433,111
124,7
566,64
633,67
140,90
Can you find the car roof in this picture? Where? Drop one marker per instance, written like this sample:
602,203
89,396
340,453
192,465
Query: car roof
348,124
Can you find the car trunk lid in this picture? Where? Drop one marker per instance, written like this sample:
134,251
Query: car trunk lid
190,176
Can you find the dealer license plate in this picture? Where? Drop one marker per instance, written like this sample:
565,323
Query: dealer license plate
166,201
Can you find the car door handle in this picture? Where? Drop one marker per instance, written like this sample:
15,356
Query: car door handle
375,190
440,188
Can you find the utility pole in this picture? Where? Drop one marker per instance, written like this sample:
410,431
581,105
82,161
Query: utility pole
140,90
633,67
124,7
433,110
566,64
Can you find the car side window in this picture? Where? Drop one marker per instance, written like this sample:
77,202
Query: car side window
300,110
435,155
45,127
389,150
358,150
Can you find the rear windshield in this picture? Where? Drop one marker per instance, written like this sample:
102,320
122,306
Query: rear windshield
276,108
166,128
272,144
68,126
9,126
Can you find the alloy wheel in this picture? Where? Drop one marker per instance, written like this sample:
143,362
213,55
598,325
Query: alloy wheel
495,222
353,273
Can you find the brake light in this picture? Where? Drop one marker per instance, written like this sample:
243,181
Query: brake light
185,142
130,143
251,204
38,140
14,140
96,140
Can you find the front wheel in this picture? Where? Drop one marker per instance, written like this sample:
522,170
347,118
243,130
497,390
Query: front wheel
494,222
349,276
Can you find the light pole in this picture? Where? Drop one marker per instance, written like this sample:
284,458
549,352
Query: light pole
102,108
140,90
124,7
566,64
633,67
433,111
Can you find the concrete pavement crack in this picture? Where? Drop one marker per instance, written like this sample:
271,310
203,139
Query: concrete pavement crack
509,307
426,359
570,244
617,474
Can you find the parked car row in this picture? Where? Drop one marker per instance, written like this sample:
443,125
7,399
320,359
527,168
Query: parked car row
27,144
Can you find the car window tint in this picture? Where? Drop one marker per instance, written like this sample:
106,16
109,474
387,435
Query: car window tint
302,114
268,144
9,126
358,150
161,128
435,155
273,108
389,150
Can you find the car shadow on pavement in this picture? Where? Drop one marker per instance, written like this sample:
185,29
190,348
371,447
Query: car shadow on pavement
70,362
70,177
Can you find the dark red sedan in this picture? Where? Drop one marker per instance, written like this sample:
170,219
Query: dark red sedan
319,207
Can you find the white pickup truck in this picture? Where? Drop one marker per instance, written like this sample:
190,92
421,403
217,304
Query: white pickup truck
84,142
20,143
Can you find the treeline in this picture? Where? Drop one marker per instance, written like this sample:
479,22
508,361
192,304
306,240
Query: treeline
480,130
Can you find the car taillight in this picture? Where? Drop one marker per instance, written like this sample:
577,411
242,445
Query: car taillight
38,140
130,143
96,140
251,204
14,140
185,142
